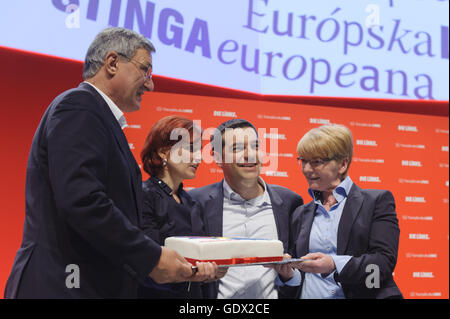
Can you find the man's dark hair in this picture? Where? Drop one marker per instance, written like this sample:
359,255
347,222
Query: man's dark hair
230,124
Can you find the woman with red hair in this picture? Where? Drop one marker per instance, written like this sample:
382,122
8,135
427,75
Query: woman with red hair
171,154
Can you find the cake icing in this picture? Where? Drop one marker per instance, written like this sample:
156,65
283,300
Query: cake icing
226,250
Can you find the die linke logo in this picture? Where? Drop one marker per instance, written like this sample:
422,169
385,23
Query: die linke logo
366,143
423,274
275,136
276,174
411,163
407,128
372,179
319,121
419,236
280,154
415,199
224,114
136,126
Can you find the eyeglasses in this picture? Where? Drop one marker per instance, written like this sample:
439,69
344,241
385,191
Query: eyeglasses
147,69
314,162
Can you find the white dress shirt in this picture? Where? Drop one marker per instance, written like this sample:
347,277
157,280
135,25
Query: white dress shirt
251,219
118,114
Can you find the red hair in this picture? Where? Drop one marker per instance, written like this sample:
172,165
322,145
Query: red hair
158,139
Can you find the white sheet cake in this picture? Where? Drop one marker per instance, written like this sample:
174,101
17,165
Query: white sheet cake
224,250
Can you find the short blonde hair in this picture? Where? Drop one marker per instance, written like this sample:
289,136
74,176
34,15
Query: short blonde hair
330,141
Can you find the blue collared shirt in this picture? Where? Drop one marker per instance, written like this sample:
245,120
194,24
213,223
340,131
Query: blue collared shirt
323,238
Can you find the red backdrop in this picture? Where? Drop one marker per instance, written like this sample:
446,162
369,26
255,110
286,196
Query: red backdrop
403,152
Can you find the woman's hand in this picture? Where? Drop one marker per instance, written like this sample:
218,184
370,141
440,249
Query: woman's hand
319,263
285,271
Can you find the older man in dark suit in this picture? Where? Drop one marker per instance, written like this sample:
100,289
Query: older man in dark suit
83,188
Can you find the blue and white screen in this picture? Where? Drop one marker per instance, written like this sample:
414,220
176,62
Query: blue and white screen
343,48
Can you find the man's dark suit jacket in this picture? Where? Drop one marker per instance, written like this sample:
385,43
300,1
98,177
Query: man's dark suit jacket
368,231
83,205
210,204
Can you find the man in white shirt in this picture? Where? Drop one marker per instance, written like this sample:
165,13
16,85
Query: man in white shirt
243,205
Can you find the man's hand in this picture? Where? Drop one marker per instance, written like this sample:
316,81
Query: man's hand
171,267
316,263
207,272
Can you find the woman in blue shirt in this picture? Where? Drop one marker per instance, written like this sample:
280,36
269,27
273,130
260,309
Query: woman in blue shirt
348,235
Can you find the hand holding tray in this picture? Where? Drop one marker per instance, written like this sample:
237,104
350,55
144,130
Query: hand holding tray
282,262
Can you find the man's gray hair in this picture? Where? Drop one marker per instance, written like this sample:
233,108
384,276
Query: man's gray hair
120,40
